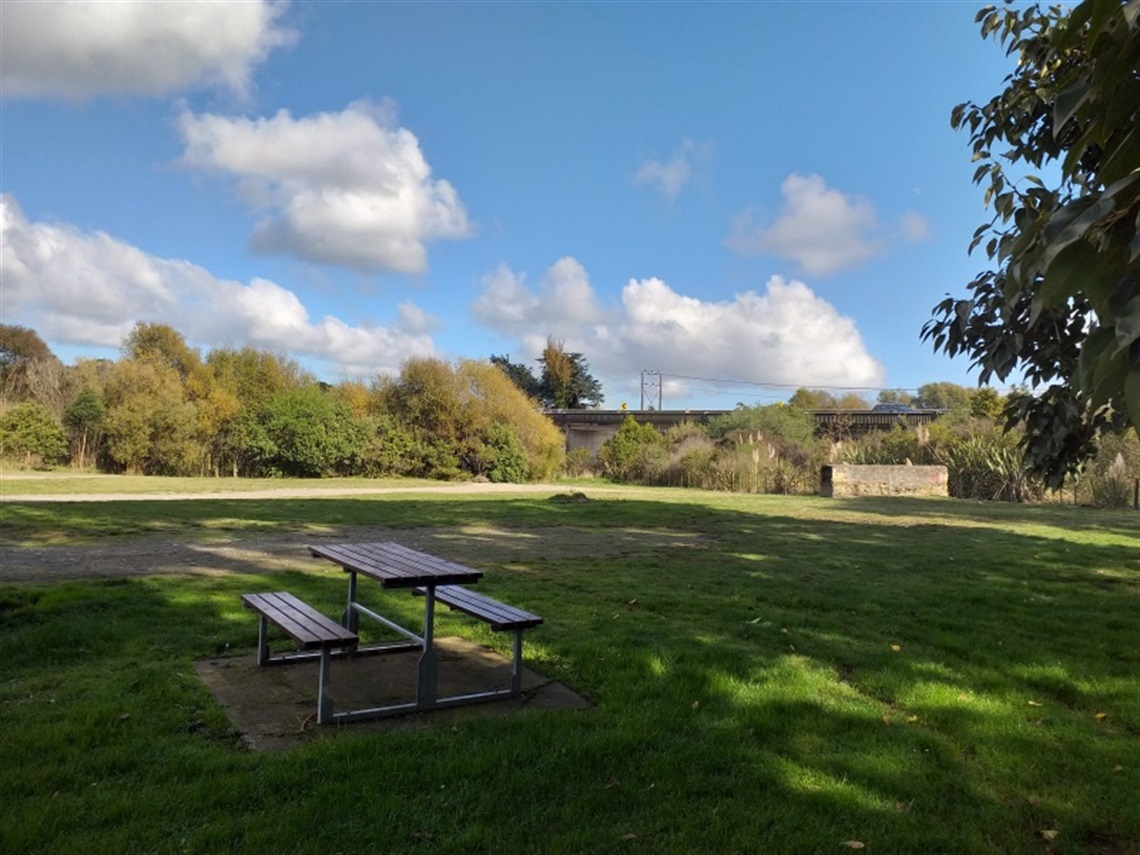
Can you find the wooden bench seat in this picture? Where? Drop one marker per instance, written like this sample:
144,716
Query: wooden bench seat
310,629
500,616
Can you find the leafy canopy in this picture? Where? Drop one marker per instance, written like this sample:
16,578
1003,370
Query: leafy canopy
1060,300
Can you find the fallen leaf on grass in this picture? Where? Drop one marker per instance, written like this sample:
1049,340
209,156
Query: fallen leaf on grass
632,603
911,719
696,705
854,844
1049,833
612,782
886,720
896,647
1117,768
1033,703
630,836
902,807
1101,716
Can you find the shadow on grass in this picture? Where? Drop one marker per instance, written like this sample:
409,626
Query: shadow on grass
763,681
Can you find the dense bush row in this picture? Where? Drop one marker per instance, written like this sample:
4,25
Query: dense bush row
775,449
162,410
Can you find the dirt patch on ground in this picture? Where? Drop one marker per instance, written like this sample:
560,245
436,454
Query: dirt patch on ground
258,554
274,707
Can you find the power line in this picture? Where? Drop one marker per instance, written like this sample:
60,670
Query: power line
788,385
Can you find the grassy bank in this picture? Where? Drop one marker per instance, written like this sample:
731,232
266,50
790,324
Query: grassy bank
769,674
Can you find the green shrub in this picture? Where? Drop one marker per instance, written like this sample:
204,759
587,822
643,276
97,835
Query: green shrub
633,452
308,433
988,464
888,448
580,462
388,449
691,461
29,433
771,449
503,456
776,420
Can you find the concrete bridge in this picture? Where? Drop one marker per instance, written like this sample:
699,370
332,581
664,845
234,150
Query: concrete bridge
590,428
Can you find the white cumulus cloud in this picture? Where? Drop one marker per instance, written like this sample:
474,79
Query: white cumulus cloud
347,188
785,335
88,288
819,227
563,303
670,176
78,49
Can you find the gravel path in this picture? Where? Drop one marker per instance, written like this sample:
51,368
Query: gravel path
467,488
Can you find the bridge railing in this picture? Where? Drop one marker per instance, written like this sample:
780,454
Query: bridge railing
853,421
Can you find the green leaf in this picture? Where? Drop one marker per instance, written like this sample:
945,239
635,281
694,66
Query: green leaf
1090,211
1128,324
1121,160
1068,102
1069,274
1103,369
1093,349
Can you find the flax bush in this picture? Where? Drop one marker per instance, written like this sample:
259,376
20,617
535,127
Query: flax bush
983,461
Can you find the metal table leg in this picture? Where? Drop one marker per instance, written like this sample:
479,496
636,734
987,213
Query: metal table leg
351,620
324,700
427,684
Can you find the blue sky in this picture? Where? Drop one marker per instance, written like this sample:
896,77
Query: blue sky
763,193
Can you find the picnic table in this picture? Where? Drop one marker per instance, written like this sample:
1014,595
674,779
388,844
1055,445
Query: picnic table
394,566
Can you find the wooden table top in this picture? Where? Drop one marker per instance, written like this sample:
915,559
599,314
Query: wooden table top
396,566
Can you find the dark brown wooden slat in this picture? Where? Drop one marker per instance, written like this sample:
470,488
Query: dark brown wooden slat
499,615
317,625
493,609
300,621
413,562
395,565
278,611
285,614
364,558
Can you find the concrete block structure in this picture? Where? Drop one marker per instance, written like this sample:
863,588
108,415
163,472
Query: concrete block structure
851,480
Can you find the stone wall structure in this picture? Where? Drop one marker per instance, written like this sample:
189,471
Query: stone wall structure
848,480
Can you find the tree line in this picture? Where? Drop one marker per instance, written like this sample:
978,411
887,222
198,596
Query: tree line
164,409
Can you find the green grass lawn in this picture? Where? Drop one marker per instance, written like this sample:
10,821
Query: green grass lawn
788,675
